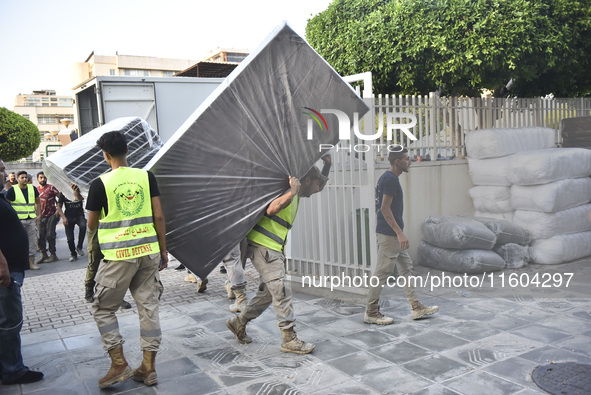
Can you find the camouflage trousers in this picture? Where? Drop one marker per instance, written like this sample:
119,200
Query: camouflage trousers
142,278
273,289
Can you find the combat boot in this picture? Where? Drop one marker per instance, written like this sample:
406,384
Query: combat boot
238,329
291,343
377,318
119,371
230,291
202,285
419,311
240,302
52,258
191,278
147,370
32,264
43,257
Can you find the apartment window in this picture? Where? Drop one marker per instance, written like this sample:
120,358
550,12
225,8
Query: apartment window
166,73
53,99
136,73
32,101
64,102
47,119
111,71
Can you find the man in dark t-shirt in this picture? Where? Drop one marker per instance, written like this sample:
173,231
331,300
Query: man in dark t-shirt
14,260
392,242
74,216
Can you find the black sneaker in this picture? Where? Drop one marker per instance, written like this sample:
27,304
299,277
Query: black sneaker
125,304
180,267
223,269
29,377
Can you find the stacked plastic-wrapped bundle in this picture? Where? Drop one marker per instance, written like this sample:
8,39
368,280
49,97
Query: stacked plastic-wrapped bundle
549,189
512,241
489,163
551,192
458,244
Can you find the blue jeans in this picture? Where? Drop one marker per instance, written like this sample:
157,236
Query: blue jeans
11,322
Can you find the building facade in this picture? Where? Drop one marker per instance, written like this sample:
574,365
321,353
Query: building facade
50,113
125,65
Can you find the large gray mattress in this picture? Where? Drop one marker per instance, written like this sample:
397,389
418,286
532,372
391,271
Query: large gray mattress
234,155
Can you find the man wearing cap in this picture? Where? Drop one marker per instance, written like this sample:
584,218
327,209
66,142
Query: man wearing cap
266,242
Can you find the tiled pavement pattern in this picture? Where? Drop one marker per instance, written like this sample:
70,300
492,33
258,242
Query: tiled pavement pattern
479,342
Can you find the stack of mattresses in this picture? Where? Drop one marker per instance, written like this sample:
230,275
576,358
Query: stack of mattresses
81,161
550,193
520,176
489,164
234,155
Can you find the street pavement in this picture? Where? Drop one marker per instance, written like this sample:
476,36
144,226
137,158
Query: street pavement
482,341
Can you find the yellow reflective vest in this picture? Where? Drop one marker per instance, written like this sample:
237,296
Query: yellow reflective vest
127,231
23,209
271,230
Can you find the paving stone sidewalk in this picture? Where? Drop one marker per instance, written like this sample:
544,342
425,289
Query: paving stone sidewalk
481,342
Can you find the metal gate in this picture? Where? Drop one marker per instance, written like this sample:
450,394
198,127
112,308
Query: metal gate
333,234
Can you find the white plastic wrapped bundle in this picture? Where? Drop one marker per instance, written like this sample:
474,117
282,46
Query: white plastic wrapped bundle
546,225
561,249
514,255
490,171
81,161
548,165
494,199
494,143
485,214
457,233
459,261
552,197
506,231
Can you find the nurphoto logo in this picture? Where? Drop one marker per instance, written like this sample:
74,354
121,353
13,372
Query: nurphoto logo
345,129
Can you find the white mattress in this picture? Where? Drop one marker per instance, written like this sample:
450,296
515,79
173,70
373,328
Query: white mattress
548,165
546,225
491,198
561,249
486,214
552,197
494,143
490,171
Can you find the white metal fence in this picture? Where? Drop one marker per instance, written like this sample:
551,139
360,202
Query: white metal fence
334,232
443,122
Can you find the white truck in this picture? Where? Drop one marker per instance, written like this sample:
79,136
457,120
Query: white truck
164,102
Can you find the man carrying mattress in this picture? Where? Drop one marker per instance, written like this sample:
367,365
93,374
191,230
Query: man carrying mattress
266,242
392,242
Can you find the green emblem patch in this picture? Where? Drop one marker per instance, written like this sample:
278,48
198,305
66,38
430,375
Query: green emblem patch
129,198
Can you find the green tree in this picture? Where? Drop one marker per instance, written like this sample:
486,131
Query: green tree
19,137
460,46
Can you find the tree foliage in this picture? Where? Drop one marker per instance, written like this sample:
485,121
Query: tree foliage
19,137
459,46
